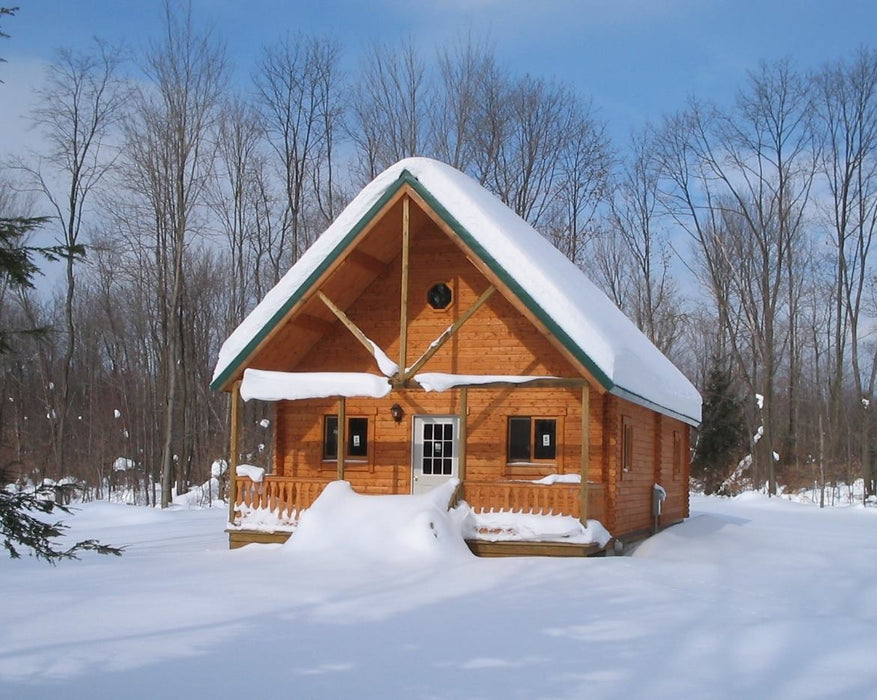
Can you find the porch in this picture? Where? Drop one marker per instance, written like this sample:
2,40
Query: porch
268,511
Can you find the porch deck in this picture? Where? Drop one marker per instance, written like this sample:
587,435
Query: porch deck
283,499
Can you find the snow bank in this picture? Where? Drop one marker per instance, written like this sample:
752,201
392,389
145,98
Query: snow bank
506,526
288,386
439,381
206,494
344,525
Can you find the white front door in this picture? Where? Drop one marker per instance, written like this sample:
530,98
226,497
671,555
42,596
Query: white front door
435,451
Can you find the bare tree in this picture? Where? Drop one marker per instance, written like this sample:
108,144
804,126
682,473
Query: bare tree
634,214
78,107
584,163
298,84
466,71
847,109
739,183
389,108
170,156
235,197
525,172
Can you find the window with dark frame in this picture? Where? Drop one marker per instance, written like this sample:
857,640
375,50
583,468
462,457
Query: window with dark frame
531,439
626,446
357,437
330,437
677,454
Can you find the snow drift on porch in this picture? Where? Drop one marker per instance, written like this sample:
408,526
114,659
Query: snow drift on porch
634,366
403,526
376,527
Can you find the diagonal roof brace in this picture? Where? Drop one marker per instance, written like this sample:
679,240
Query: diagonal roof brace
386,365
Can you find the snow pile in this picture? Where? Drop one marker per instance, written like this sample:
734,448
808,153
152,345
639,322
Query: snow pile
123,464
201,496
264,519
288,386
255,473
508,526
342,523
219,467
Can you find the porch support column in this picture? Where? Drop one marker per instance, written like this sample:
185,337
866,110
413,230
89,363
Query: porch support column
342,435
586,452
403,313
464,434
233,448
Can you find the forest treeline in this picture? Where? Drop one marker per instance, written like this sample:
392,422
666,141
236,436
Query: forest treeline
736,236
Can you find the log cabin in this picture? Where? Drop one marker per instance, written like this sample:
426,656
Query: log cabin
430,333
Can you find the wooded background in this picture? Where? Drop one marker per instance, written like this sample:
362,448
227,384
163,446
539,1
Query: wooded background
736,236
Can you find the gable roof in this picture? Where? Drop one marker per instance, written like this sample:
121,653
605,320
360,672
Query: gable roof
556,291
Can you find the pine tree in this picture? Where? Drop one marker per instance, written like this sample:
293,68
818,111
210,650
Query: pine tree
20,524
721,439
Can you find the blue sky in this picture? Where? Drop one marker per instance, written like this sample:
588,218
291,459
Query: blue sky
637,59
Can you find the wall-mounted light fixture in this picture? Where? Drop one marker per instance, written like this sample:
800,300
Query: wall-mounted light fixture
397,412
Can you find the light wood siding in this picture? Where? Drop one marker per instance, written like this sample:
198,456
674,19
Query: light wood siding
633,494
630,494
496,340
387,466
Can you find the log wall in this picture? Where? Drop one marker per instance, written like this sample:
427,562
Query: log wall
652,463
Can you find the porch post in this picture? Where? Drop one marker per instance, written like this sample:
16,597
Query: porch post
586,452
342,435
464,433
403,314
233,448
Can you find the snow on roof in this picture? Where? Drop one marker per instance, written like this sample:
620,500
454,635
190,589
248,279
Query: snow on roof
581,316
288,386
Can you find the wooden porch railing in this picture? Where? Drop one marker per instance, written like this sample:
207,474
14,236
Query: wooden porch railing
559,499
288,496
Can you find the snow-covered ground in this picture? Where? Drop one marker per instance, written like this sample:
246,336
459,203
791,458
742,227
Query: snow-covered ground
750,598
